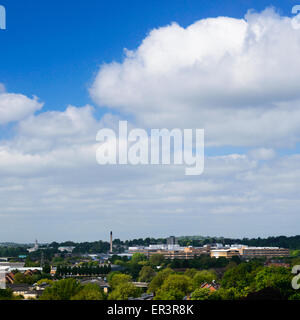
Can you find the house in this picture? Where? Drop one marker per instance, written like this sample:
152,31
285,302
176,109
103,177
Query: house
24,290
53,271
41,287
213,286
10,278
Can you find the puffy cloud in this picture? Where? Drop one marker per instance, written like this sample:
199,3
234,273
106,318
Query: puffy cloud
14,107
237,78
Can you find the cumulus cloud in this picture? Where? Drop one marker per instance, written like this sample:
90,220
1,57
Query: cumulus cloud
14,107
237,78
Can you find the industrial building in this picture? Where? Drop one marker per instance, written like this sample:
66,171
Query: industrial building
249,252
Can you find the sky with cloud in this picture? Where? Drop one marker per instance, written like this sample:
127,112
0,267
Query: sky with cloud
234,72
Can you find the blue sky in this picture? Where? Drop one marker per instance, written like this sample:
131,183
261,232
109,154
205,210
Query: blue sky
237,78
53,48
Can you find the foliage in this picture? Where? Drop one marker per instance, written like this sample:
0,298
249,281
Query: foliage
275,277
202,262
159,279
111,275
84,269
12,251
118,279
296,261
46,268
44,280
204,276
229,294
31,264
6,294
89,292
175,287
62,290
295,296
137,257
190,272
200,294
91,247
146,274
124,291
21,278
241,276
156,259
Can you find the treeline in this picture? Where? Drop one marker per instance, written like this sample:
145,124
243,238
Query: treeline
280,241
12,252
140,242
202,262
84,270
84,247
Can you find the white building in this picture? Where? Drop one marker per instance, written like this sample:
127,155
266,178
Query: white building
67,249
35,248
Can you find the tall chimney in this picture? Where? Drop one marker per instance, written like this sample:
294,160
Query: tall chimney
111,242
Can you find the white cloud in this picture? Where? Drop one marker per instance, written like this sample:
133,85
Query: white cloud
237,78
14,107
262,154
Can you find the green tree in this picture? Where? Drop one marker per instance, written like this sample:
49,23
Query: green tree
275,277
190,272
46,268
146,274
62,290
295,296
111,275
231,265
159,279
175,287
124,291
42,281
228,294
204,276
89,292
137,257
156,259
200,294
6,294
22,278
118,279
236,259
241,277
31,264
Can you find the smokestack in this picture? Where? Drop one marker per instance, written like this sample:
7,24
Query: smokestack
111,242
